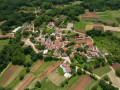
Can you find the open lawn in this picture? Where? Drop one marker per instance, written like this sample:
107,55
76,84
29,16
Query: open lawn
3,43
46,84
60,71
80,25
56,78
102,70
42,67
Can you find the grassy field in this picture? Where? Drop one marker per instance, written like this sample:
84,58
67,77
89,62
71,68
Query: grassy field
3,43
102,70
90,85
60,71
42,67
80,25
46,84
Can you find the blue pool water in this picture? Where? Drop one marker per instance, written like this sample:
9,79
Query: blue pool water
63,68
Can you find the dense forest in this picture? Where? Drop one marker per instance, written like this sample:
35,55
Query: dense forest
9,10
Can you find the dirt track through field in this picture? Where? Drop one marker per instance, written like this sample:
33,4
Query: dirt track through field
25,82
8,74
48,70
37,66
86,80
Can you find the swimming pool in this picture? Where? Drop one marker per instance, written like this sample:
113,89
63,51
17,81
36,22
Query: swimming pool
63,68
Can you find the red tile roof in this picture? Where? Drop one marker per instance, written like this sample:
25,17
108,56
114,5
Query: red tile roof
67,68
64,64
43,43
65,49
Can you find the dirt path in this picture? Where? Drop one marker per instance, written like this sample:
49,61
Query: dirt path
48,70
86,80
28,42
24,82
37,66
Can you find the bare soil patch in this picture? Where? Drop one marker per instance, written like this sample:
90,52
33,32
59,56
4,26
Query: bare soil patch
98,28
37,66
80,41
86,80
89,18
91,14
116,66
89,27
8,74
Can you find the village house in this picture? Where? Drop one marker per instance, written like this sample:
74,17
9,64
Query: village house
92,48
81,53
45,51
71,55
65,68
56,53
76,46
66,42
91,53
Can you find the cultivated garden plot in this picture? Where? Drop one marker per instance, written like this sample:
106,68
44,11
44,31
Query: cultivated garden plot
37,66
10,75
76,83
86,80
49,69
24,82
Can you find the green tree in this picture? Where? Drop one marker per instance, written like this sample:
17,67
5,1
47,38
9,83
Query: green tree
79,71
38,84
117,72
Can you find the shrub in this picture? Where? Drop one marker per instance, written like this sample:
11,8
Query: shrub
38,84
79,71
21,77
118,72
